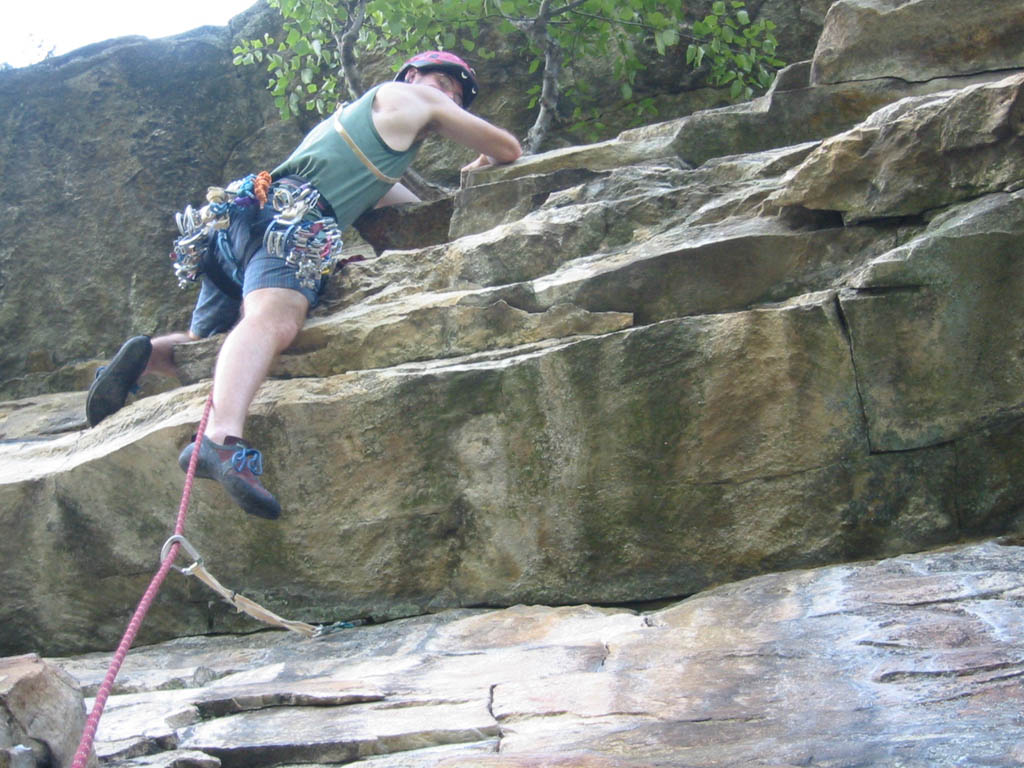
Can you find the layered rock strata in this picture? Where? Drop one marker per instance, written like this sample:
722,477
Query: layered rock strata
659,378
756,339
913,661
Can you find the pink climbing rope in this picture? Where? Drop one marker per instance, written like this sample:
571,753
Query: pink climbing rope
93,721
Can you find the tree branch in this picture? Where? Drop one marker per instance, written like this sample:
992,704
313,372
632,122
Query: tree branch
566,8
550,90
346,43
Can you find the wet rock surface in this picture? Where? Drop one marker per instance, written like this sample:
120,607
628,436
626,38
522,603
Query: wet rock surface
912,661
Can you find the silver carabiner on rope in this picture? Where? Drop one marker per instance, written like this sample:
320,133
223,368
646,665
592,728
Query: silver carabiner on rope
192,552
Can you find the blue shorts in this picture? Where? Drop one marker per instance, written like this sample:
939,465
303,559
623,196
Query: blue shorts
216,311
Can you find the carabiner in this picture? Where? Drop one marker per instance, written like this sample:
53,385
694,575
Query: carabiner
186,545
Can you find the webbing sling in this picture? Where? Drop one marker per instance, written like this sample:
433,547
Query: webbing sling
359,153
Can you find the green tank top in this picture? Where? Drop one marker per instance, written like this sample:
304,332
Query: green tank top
327,161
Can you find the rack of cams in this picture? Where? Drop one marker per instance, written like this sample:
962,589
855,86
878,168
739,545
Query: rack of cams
311,245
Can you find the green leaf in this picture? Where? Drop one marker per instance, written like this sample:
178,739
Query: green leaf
610,31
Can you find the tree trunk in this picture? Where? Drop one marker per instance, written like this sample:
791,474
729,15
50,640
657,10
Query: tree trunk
346,47
550,89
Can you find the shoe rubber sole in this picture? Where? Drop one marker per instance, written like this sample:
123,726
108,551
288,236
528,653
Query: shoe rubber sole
109,391
252,497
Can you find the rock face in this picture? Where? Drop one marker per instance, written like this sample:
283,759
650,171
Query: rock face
873,171
88,216
913,661
918,40
634,370
94,208
41,714
720,356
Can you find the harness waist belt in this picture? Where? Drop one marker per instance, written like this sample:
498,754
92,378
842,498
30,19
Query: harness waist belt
294,183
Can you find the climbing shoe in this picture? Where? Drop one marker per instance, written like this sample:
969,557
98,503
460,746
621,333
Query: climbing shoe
115,381
236,465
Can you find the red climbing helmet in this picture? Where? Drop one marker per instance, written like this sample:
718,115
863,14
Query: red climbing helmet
448,63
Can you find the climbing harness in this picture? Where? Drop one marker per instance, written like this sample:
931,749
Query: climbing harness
307,241
312,246
198,227
168,554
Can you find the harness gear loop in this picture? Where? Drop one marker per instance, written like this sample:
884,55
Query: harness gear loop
312,246
301,233
198,227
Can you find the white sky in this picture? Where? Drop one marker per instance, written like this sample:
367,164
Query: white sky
30,28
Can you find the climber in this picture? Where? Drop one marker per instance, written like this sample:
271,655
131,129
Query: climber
263,262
